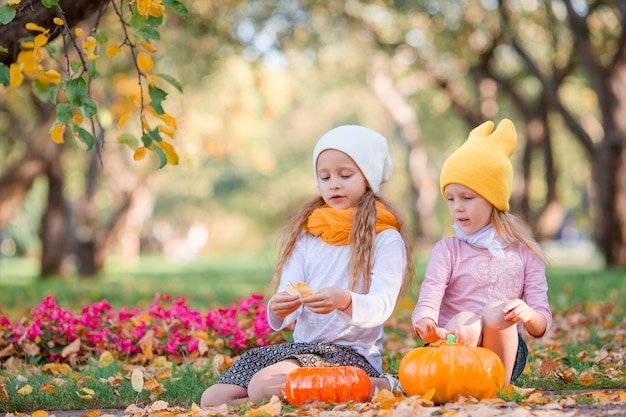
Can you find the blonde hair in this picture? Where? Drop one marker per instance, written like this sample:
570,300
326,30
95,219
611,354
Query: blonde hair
361,239
511,229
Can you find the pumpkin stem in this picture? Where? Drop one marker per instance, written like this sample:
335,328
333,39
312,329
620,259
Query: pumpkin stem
450,339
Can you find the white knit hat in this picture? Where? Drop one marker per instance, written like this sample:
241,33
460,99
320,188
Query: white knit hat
367,148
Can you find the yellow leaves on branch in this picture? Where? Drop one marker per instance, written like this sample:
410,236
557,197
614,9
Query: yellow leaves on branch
144,62
140,153
170,152
89,48
56,132
35,27
113,50
15,72
148,46
148,8
28,62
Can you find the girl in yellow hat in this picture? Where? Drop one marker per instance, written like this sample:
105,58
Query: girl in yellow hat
352,249
487,284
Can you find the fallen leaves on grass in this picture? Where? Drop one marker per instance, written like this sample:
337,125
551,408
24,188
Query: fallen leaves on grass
387,404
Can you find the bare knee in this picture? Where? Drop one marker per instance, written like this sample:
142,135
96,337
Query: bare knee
218,394
271,380
493,316
467,326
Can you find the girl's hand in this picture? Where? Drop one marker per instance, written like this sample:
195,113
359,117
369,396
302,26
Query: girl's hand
518,311
428,331
282,304
327,300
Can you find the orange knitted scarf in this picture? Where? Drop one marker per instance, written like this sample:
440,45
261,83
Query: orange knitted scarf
333,225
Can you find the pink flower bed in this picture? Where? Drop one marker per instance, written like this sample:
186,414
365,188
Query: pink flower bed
168,328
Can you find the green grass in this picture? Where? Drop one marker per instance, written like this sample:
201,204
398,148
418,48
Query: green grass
110,384
216,280
206,282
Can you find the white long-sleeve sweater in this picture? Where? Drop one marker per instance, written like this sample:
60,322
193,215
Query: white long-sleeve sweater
322,265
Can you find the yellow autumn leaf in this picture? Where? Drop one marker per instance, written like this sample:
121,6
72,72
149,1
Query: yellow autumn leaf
40,413
14,2
385,399
79,32
77,117
106,358
141,319
47,389
586,378
139,154
428,395
17,78
156,9
271,409
28,63
167,130
86,393
56,133
170,153
89,47
144,62
113,50
161,361
25,390
41,40
123,120
61,368
170,120
142,7
58,21
148,46
35,27
155,388
136,379
52,76
146,345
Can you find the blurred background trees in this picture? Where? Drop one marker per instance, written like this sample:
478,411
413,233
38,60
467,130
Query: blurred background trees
263,80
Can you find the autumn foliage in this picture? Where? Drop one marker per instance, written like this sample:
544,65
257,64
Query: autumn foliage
63,74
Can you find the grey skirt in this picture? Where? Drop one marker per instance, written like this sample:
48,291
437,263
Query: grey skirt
308,354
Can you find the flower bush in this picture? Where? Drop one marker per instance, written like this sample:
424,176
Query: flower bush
168,328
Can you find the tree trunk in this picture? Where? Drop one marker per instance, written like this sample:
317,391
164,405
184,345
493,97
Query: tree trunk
609,174
55,223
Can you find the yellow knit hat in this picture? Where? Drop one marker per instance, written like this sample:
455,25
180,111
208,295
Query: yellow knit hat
483,163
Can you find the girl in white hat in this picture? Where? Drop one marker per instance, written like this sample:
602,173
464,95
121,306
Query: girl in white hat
487,284
353,250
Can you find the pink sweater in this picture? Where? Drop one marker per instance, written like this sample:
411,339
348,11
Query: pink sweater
460,278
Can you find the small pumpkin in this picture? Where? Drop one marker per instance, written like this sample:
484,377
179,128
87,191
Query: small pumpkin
337,384
451,369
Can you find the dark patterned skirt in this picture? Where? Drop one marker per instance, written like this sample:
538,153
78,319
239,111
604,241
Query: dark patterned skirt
520,359
308,354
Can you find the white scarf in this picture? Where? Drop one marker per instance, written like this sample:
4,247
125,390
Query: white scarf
485,238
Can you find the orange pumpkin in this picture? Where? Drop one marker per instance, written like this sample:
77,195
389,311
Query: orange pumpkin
451,369
337,384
